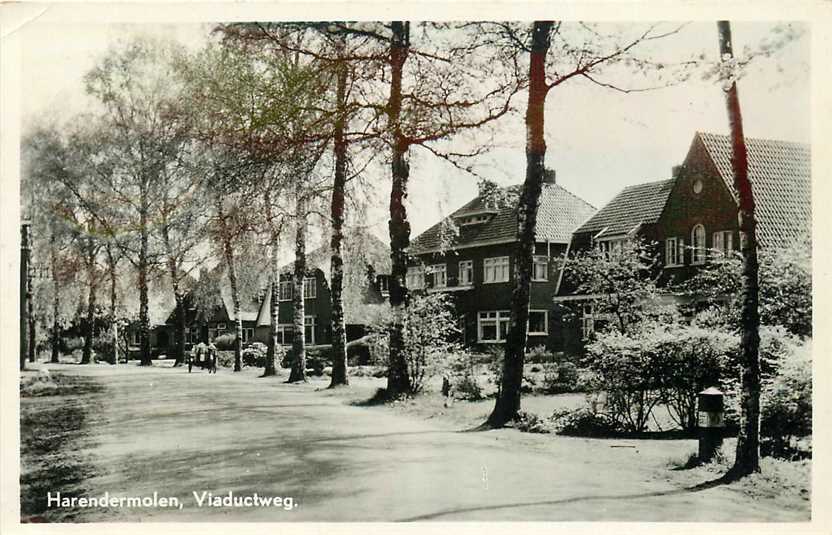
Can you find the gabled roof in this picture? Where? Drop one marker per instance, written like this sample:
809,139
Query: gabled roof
359,248
641,204
559,213
780,174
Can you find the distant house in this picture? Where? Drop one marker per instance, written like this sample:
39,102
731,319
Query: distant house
363,255
693,215
471,255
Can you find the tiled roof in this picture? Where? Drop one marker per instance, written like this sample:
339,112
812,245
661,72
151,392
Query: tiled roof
559,213
639,204
780,174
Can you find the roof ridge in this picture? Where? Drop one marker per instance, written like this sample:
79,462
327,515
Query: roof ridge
574,196
758,139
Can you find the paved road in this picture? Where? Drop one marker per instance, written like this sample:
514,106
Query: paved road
166,431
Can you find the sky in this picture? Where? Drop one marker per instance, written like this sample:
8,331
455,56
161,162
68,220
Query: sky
599,141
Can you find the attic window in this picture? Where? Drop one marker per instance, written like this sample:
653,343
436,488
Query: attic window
474,219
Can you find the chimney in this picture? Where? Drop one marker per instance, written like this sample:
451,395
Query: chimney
676,170
549,176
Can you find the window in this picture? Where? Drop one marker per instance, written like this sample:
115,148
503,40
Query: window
415,278
588,320
248,334
286,291
220,327
285,334
383,284
309,330
612,248
674,252
439,273
192,336
697,242
723,243
309,288
466,273
743,240
496,269
538,322
135,337
492,326
540,268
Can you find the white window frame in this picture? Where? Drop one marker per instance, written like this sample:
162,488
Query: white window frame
285,288
587,319
220,327
538,261
674,249
282,329
310,289
415,278
497,317
721,247
136,337
496,269
545,330
698,252
435,271
309,321
467,267
248,334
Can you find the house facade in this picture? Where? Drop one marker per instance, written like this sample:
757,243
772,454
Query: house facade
692,217
471,255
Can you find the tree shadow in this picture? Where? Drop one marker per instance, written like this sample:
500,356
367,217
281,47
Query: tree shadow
577,499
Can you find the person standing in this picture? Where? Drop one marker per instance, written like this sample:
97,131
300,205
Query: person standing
212,358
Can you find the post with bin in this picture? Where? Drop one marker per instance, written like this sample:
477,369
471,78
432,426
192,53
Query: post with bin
711,405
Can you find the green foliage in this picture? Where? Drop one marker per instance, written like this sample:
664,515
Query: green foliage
429,335
532,423
561,377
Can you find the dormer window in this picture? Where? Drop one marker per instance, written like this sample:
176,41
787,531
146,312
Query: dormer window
474,219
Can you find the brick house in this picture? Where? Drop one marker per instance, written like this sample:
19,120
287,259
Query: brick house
471,255
363,255
692,217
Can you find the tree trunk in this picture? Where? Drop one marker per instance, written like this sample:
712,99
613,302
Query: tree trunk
232,281
180,327
56,303
339,332
747,460
398,382
508,402
298,372
30,305
178,296
112,265
144,317
270,369
89,328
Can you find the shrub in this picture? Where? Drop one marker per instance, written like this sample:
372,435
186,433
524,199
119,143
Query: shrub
429,333
657,364
225,359
461,373
532,423
584,422
255,355
538,355
68,345
225,342
560,378
787,404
